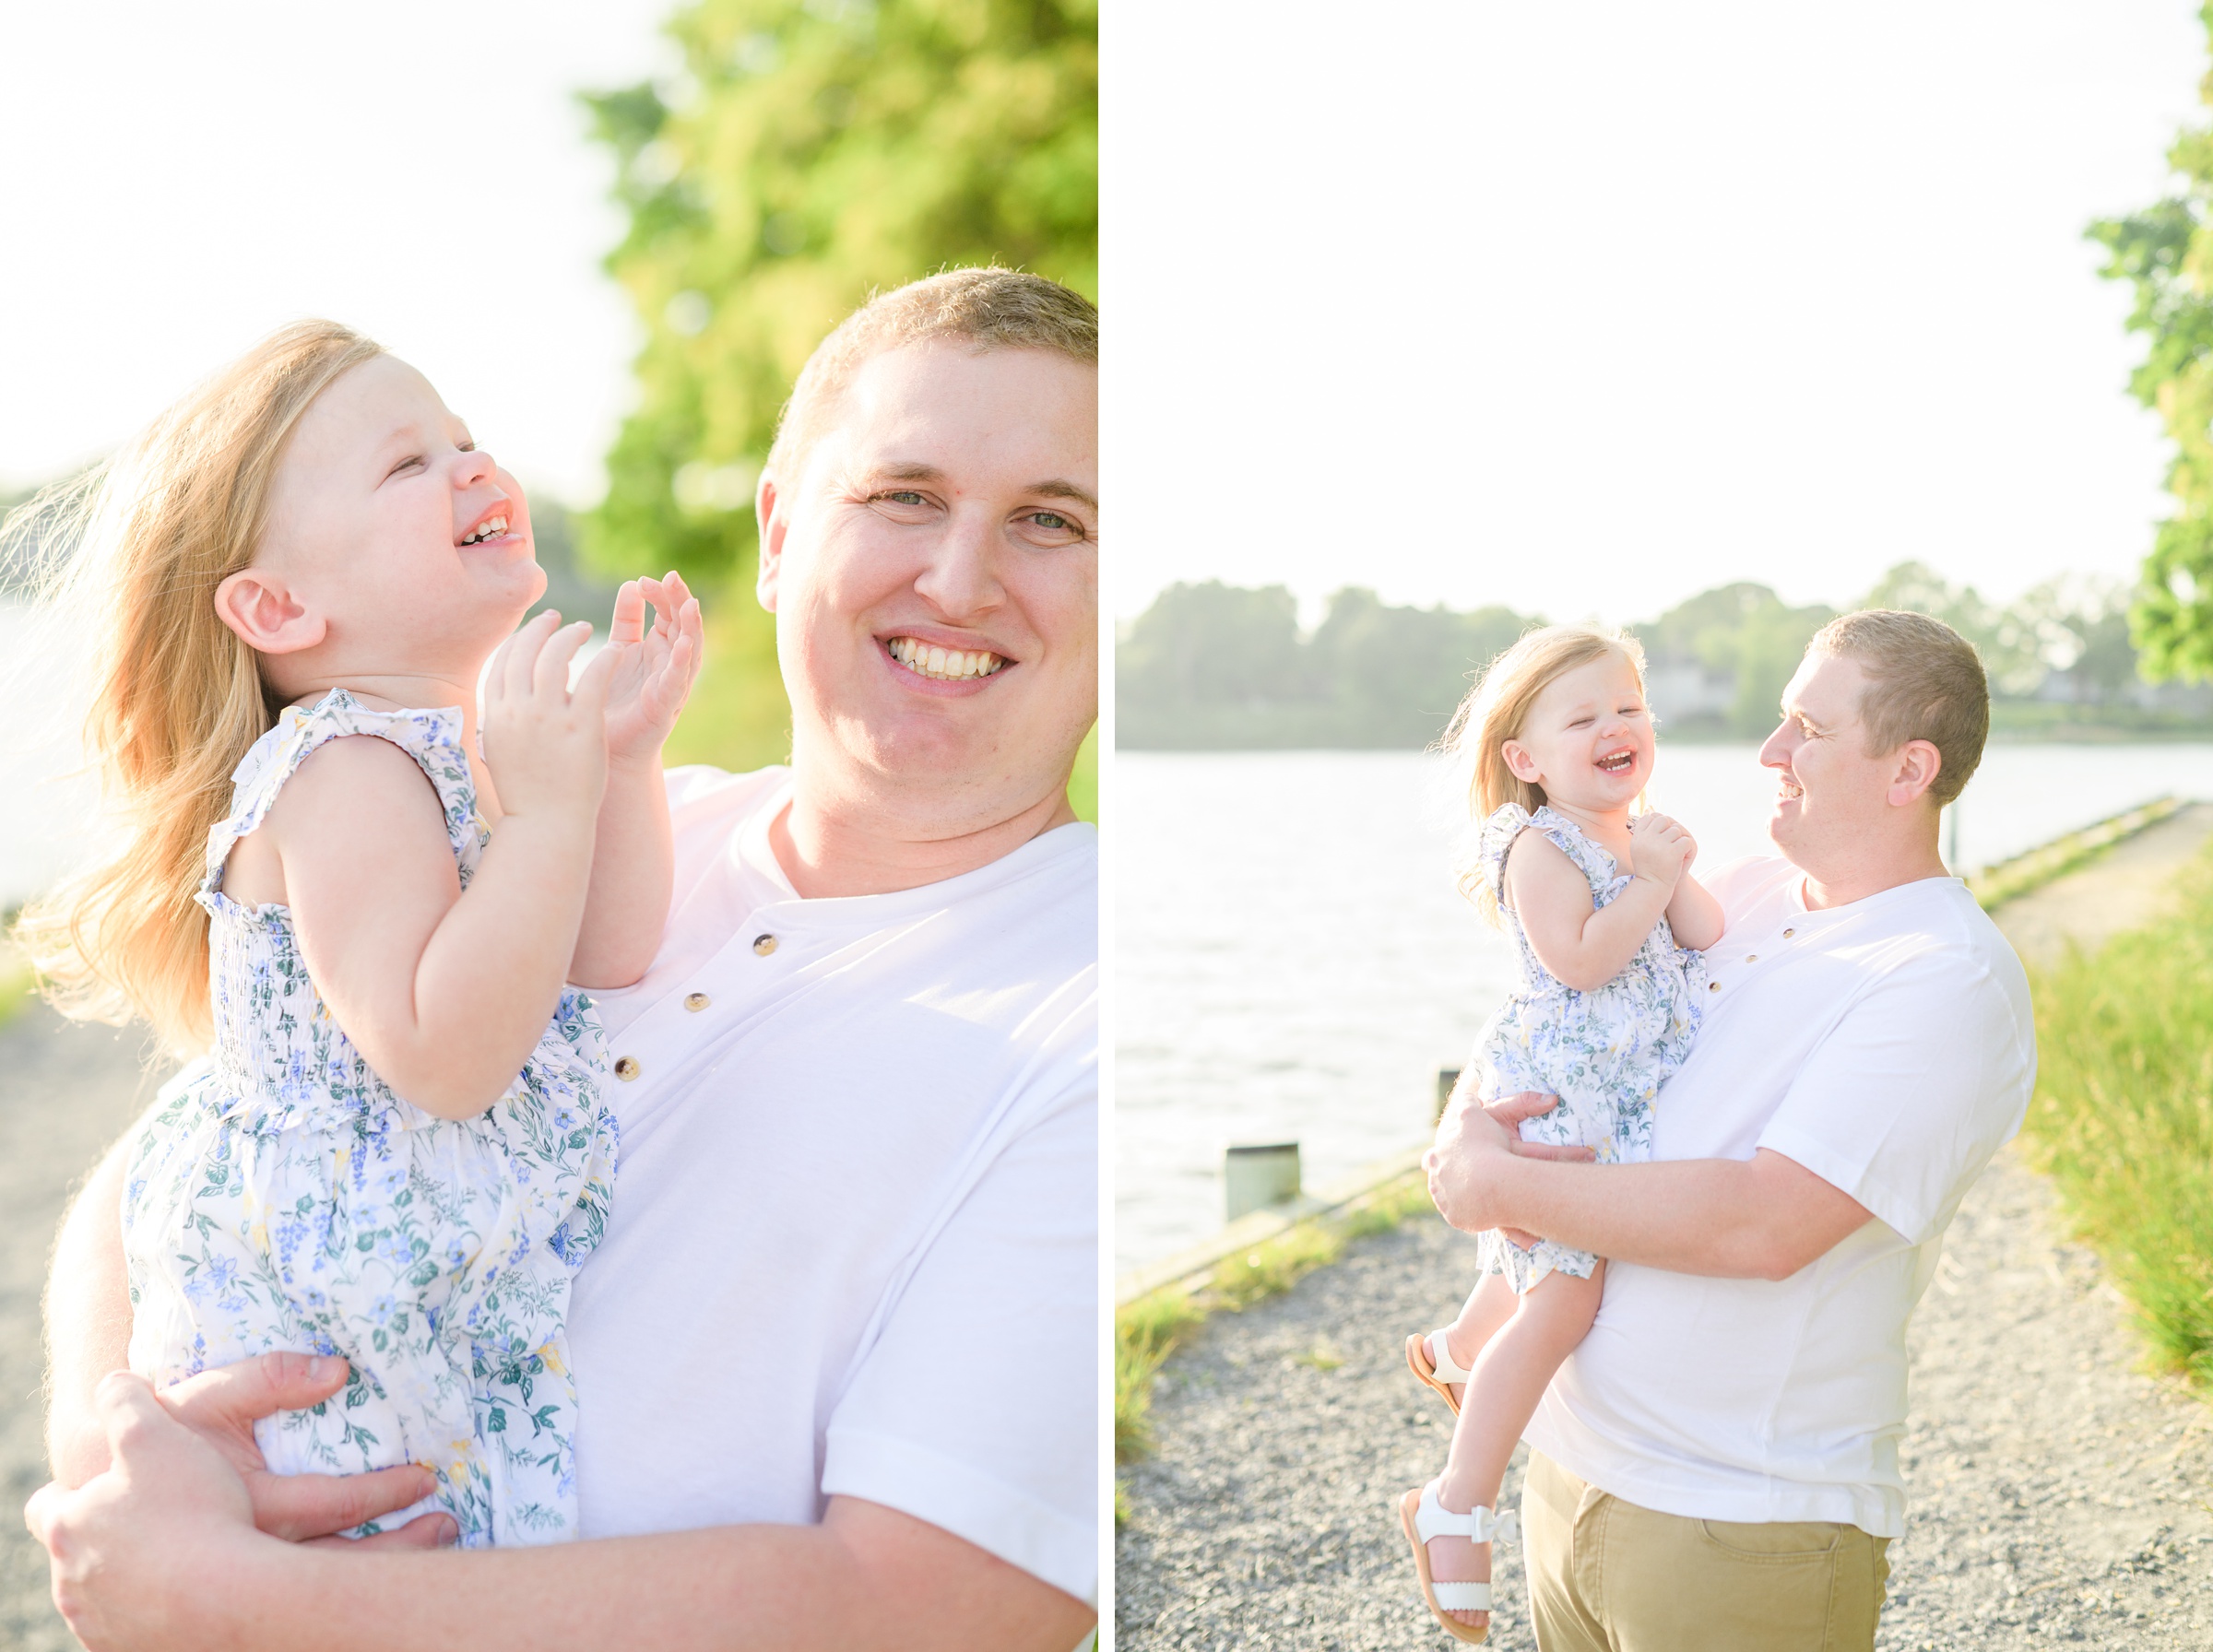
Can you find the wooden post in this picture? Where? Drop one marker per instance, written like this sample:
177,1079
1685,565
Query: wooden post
1256,1178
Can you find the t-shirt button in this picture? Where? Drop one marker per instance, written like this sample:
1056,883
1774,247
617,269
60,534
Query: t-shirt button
1751,957
696,1000
1788,933
1713,987
626,1067
765,944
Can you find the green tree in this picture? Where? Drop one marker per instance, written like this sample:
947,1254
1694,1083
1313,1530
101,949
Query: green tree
1744,631
2166,253
813,151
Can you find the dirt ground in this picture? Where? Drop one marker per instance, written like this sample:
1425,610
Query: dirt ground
2053,1491
65,1092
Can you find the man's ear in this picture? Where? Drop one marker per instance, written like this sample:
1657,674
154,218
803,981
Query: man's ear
1919,763
257,606
772,529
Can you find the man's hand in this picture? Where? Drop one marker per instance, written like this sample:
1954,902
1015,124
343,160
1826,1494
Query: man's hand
169,1514
223,1406
1473,1139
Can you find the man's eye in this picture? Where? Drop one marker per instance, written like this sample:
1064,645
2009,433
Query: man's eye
1052,519
902,496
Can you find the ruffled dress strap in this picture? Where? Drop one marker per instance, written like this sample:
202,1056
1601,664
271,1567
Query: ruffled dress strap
432,736
1510,820
1596,863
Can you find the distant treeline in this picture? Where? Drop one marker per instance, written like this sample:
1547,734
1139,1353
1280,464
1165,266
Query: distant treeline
1214,666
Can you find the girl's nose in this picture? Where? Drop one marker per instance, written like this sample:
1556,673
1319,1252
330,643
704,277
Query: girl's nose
473,466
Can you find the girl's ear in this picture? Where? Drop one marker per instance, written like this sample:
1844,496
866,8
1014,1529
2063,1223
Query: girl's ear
255,604
1520,762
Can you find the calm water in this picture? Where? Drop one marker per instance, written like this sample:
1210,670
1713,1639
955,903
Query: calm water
1294,964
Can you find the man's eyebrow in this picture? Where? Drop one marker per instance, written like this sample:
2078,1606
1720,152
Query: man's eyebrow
1059,490
907,472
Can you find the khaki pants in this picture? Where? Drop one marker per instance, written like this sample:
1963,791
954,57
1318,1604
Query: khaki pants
1606,1576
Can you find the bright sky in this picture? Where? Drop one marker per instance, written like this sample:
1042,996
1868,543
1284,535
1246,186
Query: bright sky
1582,309
176,180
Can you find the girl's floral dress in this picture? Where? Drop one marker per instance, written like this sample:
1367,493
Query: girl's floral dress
281,1196
1605,1053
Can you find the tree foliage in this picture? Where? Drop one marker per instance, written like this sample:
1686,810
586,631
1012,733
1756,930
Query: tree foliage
813,151
2165,252
1214,666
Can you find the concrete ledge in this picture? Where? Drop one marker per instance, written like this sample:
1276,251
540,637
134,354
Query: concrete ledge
1331,1198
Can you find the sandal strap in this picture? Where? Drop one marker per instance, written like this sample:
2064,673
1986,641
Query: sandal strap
1433,1519
1441,1359
1461,1596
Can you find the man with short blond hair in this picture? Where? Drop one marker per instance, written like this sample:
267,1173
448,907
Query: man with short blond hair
838,1356
1715,1469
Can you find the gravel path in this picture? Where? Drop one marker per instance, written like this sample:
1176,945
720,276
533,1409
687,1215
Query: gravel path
2055,1493
65,1092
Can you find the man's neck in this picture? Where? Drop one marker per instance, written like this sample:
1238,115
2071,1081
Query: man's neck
1856,881
831,851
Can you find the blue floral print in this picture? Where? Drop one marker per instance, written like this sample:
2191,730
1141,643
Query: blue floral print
281,1196
1605,1053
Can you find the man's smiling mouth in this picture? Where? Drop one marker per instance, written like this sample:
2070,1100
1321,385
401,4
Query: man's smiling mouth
946,665
1787,789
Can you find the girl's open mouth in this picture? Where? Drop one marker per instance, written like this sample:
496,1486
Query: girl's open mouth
1618,763
945,665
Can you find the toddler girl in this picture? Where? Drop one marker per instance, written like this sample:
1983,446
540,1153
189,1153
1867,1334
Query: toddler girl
397,1146
1560,744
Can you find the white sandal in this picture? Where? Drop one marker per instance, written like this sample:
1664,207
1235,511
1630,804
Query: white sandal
1423,1517
1430,1360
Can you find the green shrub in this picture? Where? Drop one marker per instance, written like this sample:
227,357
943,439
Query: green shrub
2123,1116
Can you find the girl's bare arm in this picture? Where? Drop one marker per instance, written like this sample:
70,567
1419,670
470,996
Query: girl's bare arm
634,863
1583,946
447,993
1694,914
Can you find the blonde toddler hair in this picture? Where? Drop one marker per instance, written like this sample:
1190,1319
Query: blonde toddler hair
177,699
1494,712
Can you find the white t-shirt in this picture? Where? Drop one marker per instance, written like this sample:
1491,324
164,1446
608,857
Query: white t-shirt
854,1243
1886,1046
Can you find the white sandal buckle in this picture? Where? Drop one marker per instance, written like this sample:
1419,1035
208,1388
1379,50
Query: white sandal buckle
1479,1524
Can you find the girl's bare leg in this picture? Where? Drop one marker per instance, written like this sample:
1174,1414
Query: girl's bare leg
1507,1379
1488,1306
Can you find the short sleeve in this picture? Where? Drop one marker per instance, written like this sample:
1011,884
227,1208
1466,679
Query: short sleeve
978,1408
1925,1076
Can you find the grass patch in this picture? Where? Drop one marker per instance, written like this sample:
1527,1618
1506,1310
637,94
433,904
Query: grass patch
2123,1115
18,987
1994,885
1150,1328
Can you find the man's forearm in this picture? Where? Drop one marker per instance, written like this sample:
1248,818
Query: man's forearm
868,1577
87,1322
1689,1216
1764,1218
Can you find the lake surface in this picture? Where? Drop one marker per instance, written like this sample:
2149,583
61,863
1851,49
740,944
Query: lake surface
1294,964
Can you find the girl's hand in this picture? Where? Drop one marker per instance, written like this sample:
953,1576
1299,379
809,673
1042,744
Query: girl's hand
547,743
1660,850
654,669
